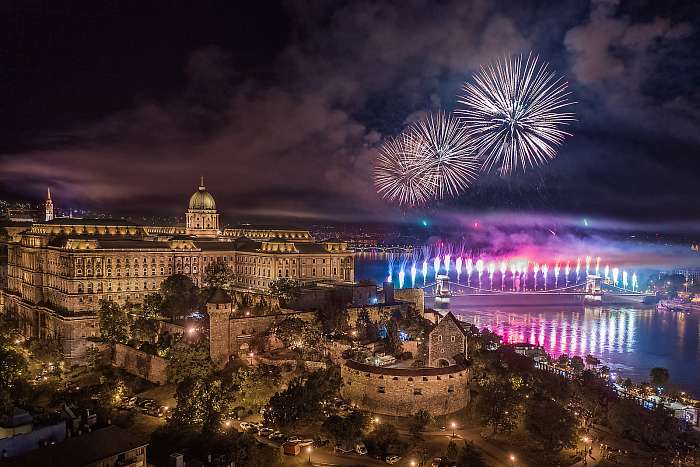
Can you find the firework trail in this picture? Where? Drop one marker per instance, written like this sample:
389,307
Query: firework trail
514,112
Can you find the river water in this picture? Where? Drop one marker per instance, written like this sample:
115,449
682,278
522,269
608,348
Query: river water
630,340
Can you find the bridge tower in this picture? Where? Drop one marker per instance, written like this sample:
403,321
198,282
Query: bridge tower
594,290
442,291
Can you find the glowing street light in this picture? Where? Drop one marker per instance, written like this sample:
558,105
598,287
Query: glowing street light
512,459
308,449
453,428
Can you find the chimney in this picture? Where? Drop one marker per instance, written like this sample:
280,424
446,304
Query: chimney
388,293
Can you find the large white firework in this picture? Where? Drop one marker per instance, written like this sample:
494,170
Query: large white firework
445,152
515,113
399,173
432,158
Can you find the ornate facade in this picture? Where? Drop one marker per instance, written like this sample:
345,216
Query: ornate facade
59,270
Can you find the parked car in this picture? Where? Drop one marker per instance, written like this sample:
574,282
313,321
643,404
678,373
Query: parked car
361,449
305,442
293,439
275,435
343,449
244,425
266,431
392,459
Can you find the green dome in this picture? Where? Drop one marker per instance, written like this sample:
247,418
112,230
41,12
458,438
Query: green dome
202,199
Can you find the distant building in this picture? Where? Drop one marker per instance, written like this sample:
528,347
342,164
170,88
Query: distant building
106,447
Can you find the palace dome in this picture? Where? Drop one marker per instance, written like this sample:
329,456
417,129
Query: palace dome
202,199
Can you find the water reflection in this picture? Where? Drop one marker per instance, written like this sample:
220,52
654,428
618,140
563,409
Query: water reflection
629,340
600,331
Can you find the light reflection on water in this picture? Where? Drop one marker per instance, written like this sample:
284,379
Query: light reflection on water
627,339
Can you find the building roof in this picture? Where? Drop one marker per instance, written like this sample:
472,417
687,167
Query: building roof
80,450
202,199
220,296
88,221
270,227
215,245
407,372
132,244
452,317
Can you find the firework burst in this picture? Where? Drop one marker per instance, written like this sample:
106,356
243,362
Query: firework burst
445,153
432,158
515,113
399,174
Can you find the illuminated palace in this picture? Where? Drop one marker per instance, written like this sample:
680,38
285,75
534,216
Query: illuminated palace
57,271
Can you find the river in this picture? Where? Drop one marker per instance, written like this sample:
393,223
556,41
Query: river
630,340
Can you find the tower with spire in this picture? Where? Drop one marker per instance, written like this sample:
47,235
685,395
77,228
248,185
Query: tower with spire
48,206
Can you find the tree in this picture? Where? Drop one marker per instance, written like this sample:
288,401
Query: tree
550,424
384,440
419,421
563,360
286,289
451,452
297,334
592,361
189,361
659,376
333,316
469,456
301,400
46,350
256,385
366,328
498,404
392,342
180,296
577,364
202,403
219,274
114,322
348,428
12,371
152,305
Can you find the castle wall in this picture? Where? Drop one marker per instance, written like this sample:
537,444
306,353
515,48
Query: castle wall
404,391
414,296
144,365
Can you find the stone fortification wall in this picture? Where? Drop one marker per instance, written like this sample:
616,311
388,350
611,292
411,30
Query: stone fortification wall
414,296
405,391
141,364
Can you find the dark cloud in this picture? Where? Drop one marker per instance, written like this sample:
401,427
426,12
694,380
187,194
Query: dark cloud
282,119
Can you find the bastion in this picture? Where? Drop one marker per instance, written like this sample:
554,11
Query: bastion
404,391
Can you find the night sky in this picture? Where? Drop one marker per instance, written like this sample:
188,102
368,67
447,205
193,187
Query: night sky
122,105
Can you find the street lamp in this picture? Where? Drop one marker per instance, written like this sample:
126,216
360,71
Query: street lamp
309,451
453,429
251,355
413,463
376,420
512,459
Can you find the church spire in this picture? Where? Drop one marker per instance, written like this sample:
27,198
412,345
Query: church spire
48,205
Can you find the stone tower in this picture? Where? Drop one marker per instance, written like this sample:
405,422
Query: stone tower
219,309
202,218
48,206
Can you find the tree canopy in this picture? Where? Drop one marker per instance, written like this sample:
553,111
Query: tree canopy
180,295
